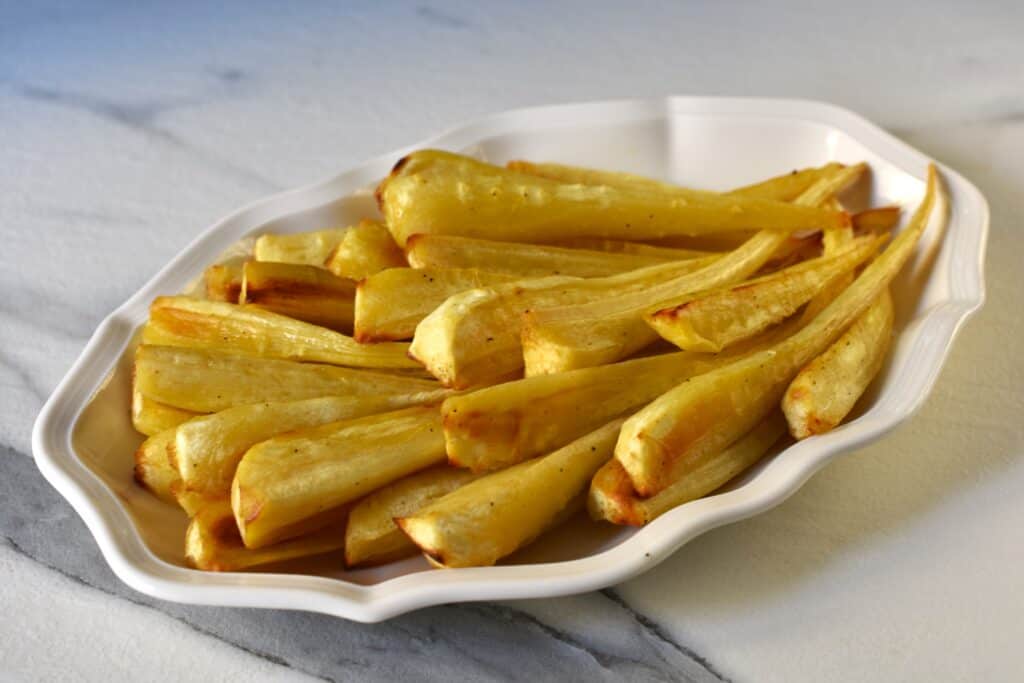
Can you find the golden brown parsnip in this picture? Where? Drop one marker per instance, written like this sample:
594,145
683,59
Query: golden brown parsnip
443,193
194,323
208,381
303,292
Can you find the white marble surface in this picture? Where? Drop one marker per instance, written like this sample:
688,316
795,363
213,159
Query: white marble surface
125,130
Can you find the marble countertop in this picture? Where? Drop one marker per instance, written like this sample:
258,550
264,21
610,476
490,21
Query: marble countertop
127,130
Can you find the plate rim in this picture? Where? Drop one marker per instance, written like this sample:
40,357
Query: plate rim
131,560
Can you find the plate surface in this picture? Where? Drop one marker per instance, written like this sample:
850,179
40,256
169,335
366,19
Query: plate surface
83,439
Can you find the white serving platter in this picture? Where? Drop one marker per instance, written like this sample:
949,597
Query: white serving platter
83,439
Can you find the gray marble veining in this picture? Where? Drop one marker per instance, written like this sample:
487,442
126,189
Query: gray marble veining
565,639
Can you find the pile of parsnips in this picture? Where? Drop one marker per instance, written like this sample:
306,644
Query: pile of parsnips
524,340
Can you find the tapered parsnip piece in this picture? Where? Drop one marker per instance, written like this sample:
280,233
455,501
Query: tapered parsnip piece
501,425
473,338
284,486
209,381
224,280
525,260
679,430
611,246
298,291
572,335
613,499
880,219
391,303
825,391
212,542
207,449
194,323
372,537
783,188
309,248
489,518
442,193
151,417
365,249
713,320
153,468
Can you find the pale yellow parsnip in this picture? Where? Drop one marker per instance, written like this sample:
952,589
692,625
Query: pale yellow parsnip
443,193
372,537
207,381
613,499
491,517
390,304
215,325
588,333
676,432
291,484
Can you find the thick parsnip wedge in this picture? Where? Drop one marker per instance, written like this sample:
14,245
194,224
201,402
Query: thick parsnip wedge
581,334
365,249
224,280
783,188
491,517
474,337
391,303
825,391
563,338
372,537
194,323
880,219
613,499
713,320
525,260
675,433
299,291
212,542
501,425
209,381
436,192
207,449
309,248
151,417
286,485
153,467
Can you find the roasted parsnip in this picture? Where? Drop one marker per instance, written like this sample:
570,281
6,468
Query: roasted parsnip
713,320
498,426
825,391
391,303
487,519
298,291
612,497
587,333
212,542
207,449
224,280
207,381
151,417
679,430
443,193
291,484
785,187
365,249
153,467
372,537
214,325
309,248
529,260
